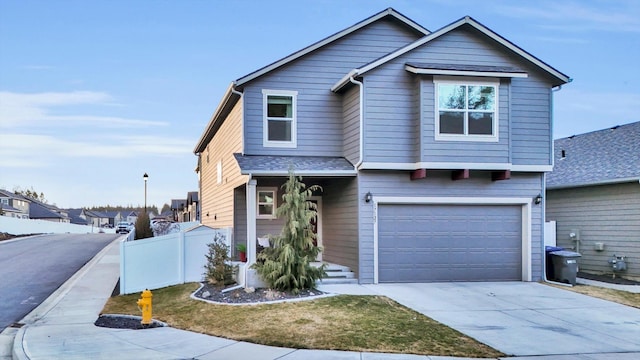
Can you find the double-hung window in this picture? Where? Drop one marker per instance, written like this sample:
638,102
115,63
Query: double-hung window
279,118
267,203
466,110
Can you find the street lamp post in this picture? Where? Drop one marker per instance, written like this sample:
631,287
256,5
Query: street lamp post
145,177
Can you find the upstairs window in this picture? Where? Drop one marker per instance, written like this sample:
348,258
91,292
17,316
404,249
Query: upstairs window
466,110
279,118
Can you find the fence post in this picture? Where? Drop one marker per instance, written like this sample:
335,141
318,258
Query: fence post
181,255
122,267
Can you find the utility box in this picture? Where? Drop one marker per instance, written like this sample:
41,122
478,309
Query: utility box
565,266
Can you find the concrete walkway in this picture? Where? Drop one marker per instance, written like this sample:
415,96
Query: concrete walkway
62,327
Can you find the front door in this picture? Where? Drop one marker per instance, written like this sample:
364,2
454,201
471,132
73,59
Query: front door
317,224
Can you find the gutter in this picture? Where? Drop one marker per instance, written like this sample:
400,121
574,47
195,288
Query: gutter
361,115
594,183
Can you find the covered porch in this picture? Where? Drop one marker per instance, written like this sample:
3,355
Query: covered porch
256,201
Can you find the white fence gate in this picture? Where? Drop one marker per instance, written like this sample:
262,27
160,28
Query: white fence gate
166,260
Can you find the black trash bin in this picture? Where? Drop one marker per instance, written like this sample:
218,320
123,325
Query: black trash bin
548,262
565,266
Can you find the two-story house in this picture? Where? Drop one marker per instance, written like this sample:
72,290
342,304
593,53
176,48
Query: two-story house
430,147
13,205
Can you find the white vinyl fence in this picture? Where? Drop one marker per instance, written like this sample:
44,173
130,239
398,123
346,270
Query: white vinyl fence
166,260
550,233
17,226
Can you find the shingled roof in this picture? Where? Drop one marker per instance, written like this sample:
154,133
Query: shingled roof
266,165
601,157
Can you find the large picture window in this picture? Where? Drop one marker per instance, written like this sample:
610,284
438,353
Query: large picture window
466,110
267,203
279,118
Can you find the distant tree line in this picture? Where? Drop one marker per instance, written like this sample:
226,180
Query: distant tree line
30,193
138,209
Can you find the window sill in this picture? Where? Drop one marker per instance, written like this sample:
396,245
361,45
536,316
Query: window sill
468,138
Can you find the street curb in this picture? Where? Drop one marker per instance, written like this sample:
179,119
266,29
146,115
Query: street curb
49,303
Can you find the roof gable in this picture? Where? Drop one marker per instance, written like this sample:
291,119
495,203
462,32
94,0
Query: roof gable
389,12
559,77
232,96
601,157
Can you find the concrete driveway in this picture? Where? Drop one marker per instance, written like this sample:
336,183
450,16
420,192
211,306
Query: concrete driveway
522,319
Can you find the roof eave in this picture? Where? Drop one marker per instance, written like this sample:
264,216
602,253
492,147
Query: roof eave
387,12
560,77
594,183
314,173
228,98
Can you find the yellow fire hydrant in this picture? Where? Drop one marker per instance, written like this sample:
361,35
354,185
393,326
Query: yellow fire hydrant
145,305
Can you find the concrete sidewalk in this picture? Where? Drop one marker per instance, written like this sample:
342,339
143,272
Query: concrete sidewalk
62,328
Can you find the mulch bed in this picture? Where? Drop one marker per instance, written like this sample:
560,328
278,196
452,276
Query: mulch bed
250,296
125,322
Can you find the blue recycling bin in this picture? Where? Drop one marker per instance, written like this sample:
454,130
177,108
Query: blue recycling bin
549,262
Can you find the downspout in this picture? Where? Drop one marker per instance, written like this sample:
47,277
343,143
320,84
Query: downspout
361,110
241,95
544,199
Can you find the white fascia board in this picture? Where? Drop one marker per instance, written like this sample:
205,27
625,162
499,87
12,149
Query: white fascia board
467,200
494,74
318,173
532,168
434,165
395,54
595,183
330,39
413,45
509,45
479,27
454,165
345,80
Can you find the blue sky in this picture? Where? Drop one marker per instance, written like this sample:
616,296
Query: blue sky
93,94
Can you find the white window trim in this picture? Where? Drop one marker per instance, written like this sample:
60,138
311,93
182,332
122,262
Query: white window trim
219,172
274,190
466,81
265,125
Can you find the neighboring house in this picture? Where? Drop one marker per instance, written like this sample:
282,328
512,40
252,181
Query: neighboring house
178,207
114,217
41,211
193,207
594,193
132,217
14,205
95,218
430,147
76,218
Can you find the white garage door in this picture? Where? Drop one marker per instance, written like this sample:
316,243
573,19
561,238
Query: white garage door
429,243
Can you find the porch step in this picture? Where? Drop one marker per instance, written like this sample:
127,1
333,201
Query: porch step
331,281
337,274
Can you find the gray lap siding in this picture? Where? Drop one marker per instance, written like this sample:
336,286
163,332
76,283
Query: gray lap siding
320,122
439,184
400,118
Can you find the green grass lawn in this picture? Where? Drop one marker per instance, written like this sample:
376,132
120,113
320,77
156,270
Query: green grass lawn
345,322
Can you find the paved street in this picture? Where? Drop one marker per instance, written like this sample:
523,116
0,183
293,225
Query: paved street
31,269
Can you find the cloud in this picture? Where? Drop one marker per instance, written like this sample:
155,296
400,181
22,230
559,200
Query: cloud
32,150
573,16
27,110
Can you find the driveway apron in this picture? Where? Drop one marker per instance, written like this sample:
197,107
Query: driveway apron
520,318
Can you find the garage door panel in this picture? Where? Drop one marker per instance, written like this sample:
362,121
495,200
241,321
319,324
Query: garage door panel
423,243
